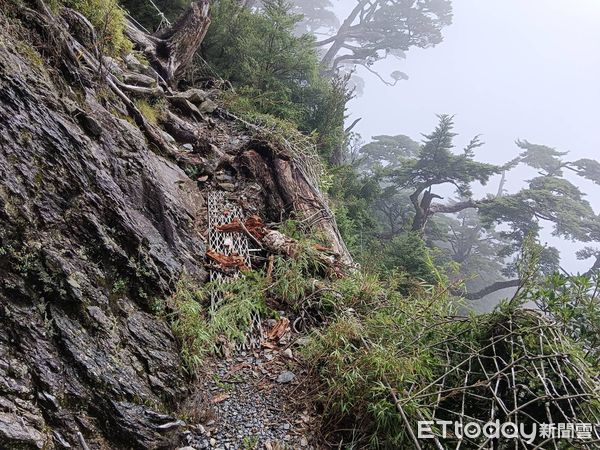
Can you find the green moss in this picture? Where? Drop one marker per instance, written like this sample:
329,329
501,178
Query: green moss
142,58
109,20
31,54
150,111
25,136
54,5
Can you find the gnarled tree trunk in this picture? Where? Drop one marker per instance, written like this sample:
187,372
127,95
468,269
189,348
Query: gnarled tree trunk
171,51
291,192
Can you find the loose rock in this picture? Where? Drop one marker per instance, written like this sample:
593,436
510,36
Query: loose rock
285,377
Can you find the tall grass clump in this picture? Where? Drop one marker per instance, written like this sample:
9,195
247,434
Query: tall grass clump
388,359
379,343
215,315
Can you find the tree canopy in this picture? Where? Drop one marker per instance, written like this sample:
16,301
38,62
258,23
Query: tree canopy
377,29
435,164
484,235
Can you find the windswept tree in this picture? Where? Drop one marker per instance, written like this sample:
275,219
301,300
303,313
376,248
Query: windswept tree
548,199
474,247
485,236
317,16
376,29
372,30
435,165
387,152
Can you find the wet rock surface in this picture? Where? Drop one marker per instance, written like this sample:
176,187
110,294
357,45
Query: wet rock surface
97,225
94,229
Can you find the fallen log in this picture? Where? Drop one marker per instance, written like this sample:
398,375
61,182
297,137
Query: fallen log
253,226
278,243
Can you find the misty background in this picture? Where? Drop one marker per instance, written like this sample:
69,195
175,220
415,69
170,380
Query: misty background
507,70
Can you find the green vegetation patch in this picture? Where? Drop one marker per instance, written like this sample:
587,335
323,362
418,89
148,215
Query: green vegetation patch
388,360
204,319
108,19
151,111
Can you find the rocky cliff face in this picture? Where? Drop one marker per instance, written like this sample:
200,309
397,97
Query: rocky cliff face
96,226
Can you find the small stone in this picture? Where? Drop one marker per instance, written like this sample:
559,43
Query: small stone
285,377
213,442
301,341
229,187
194,95
223,177
303,442
286,426
170,425
49,398
61,440
186,448
170,139
288,353
188,147
208,106
73,282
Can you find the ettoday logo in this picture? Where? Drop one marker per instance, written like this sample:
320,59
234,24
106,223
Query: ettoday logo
506,430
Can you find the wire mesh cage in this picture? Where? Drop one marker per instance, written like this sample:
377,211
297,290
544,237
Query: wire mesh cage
222,212
520,371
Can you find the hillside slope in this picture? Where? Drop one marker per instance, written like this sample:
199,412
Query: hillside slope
97,225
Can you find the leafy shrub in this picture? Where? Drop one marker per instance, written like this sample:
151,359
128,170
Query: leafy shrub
273,71
410,254
574,303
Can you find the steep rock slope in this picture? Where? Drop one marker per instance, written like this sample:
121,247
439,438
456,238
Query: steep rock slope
95,228
97,224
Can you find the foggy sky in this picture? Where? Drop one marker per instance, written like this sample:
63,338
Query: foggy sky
507,69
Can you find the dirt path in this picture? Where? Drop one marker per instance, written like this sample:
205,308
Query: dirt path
254,400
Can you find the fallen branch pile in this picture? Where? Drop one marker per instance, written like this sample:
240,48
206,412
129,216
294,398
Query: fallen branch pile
278,243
